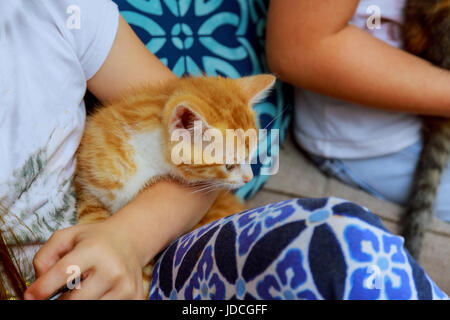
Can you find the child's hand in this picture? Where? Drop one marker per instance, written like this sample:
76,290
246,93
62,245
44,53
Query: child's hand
112,253
110,265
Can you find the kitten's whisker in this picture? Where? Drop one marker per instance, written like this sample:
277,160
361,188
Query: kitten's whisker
199,189
207,188
209,191
276,118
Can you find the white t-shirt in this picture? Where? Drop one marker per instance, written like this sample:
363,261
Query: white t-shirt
48,50
338,129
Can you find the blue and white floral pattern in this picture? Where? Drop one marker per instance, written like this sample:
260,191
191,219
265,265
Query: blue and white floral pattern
216,37
297,249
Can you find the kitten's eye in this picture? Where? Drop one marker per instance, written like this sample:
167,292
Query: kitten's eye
230,167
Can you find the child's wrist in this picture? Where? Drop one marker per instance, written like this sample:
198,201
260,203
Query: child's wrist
155,217
125,229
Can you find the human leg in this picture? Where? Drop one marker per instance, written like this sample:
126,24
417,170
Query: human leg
297,249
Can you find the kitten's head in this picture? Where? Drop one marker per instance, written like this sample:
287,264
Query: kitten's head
199,115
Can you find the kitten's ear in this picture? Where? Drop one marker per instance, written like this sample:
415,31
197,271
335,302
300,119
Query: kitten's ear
256,88
184,117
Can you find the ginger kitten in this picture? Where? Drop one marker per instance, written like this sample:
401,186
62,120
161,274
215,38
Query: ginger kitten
127,145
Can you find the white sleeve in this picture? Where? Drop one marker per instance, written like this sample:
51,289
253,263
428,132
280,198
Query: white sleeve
89,26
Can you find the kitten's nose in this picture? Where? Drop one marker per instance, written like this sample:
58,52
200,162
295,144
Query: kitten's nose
246,178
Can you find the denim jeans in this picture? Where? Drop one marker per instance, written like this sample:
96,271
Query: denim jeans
387,177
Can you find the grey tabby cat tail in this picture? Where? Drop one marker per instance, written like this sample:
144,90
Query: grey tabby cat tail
433,161
426,33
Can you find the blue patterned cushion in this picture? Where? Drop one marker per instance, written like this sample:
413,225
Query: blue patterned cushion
217,37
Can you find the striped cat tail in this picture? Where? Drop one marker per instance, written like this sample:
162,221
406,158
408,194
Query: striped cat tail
432,163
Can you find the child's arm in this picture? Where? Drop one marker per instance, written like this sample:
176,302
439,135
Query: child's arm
311,45
129,63
111,253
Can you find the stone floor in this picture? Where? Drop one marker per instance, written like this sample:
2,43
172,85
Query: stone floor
299,178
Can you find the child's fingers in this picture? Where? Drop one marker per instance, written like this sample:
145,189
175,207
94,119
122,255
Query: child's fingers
62,272
126,291
57,246
91,288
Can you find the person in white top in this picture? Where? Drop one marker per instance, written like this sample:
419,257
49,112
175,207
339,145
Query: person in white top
357,111
50,53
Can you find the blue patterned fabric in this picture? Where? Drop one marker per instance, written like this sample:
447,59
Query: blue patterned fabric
216,37
297,249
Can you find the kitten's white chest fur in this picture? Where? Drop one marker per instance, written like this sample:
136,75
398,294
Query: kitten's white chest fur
150,163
